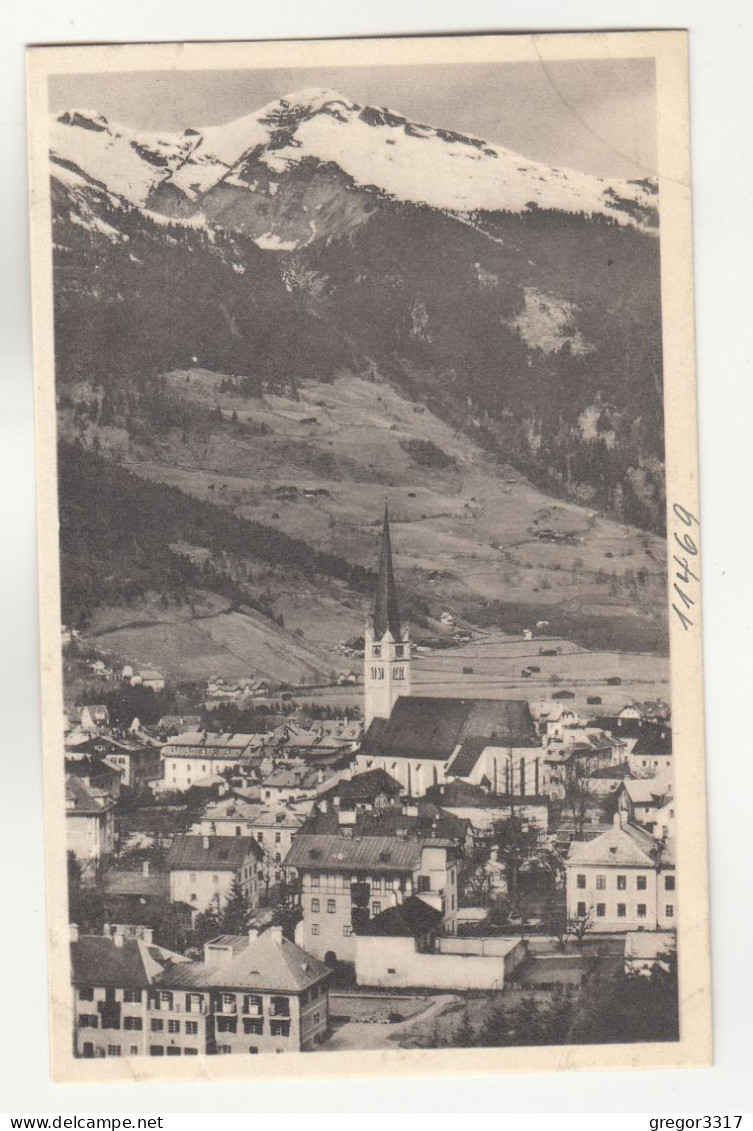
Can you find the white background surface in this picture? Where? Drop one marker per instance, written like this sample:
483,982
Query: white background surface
721,45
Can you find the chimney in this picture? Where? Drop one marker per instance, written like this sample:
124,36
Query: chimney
147,934
205,842
145,868
73,928
117,939
617,820
253,933
275,934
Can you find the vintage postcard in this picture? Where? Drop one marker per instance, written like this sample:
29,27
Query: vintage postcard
369,557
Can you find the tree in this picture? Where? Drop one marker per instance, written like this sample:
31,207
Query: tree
557,926
237,911
515,841
575,778
207,926
579,926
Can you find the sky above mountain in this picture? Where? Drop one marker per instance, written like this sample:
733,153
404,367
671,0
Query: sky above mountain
595,116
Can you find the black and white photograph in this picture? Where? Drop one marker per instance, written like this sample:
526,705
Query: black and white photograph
369,559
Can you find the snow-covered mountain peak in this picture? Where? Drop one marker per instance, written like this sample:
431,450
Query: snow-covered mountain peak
375,147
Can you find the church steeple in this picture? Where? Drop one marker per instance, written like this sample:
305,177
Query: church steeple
386,643
386,611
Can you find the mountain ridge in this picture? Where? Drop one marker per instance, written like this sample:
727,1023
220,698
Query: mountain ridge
378,149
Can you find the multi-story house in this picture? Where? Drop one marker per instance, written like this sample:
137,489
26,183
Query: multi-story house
344,882
253,993
273,828
649,802
203,868
111,977
89,823
191,758
624,880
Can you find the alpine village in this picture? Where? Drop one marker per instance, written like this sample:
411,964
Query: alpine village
439,872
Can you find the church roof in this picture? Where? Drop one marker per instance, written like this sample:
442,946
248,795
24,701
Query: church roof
386,612
432,728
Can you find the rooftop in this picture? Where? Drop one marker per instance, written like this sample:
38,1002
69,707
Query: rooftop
269,962
622,846
219,853
425,727
100,961
410,919
354,854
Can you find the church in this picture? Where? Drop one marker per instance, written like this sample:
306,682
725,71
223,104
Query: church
423,741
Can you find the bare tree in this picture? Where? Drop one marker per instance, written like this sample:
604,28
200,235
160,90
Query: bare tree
580,926
575,778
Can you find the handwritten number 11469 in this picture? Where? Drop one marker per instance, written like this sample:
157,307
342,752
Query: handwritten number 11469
685,575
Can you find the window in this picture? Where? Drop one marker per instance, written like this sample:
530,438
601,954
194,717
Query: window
390,969
173,1050
314,928
376,651
347,930
113,1050
253,1025
331,906
131,995
376,909
173,1026
280,1028
134,1050
237,830
194,897
601,910
601,882
192,1028
669,911
621,910
166,999
224,1050
280,1007
193,1003
156,1050
278,838
424,883
88,1021
581,910
133,1023
315,881
669,883
227,1003
253,1004
253,1049
315,906
227,1025
190,1052
641,910
157,1025
86,993
640,883
622,883
581,880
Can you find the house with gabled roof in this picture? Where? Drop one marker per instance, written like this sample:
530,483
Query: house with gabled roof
344,881
202,870
89,823
110,977
253,993
624,880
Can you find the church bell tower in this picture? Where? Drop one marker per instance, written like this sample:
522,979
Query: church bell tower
387,645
